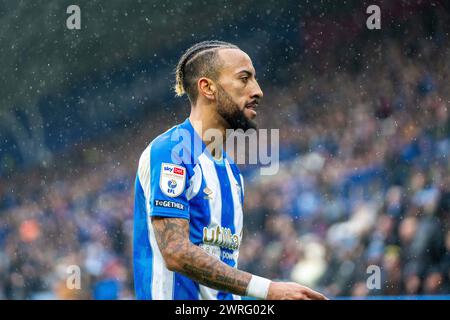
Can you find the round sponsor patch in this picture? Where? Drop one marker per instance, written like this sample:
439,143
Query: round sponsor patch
172,179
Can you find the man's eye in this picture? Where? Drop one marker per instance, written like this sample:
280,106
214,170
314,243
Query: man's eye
244,79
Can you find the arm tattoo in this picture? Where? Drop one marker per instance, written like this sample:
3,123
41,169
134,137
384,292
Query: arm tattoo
172,236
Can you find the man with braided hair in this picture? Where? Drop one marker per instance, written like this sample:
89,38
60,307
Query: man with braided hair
188,205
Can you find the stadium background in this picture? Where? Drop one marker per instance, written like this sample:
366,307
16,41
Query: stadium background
364,140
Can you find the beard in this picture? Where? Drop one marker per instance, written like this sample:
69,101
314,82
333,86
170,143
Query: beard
231,112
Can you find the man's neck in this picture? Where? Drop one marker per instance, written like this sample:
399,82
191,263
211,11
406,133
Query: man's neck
203,119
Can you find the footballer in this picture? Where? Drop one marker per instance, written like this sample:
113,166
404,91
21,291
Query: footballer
188,201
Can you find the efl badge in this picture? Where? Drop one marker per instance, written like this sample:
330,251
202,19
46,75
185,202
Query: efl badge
172,179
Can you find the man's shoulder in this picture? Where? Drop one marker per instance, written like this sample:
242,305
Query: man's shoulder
164,141
163,145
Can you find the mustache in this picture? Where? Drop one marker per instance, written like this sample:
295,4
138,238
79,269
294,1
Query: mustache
253,103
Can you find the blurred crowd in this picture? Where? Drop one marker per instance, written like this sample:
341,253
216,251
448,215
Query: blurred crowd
363,186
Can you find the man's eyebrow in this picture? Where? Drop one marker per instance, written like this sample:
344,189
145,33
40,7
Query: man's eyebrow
247,72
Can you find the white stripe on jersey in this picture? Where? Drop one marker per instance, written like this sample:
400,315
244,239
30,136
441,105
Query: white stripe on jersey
195,183
162,278
236,194
144,175
242,184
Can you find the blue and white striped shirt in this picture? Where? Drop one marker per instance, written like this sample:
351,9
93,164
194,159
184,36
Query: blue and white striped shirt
178,179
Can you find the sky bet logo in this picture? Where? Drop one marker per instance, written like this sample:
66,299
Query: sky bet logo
174,170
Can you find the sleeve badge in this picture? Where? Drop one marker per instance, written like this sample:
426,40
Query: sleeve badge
172,179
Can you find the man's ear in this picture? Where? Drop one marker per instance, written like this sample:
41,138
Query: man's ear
206,88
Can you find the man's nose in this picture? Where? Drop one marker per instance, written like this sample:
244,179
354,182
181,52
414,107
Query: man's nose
257,92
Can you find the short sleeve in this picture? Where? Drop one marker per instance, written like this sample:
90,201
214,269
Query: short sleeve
168,179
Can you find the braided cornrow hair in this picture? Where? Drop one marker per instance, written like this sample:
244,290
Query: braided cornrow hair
197,61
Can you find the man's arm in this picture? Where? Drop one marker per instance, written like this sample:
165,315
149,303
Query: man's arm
182,256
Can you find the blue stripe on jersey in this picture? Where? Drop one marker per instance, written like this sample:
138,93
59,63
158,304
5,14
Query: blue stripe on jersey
184,288
224,296
200,212
142,251
200,216
237,176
